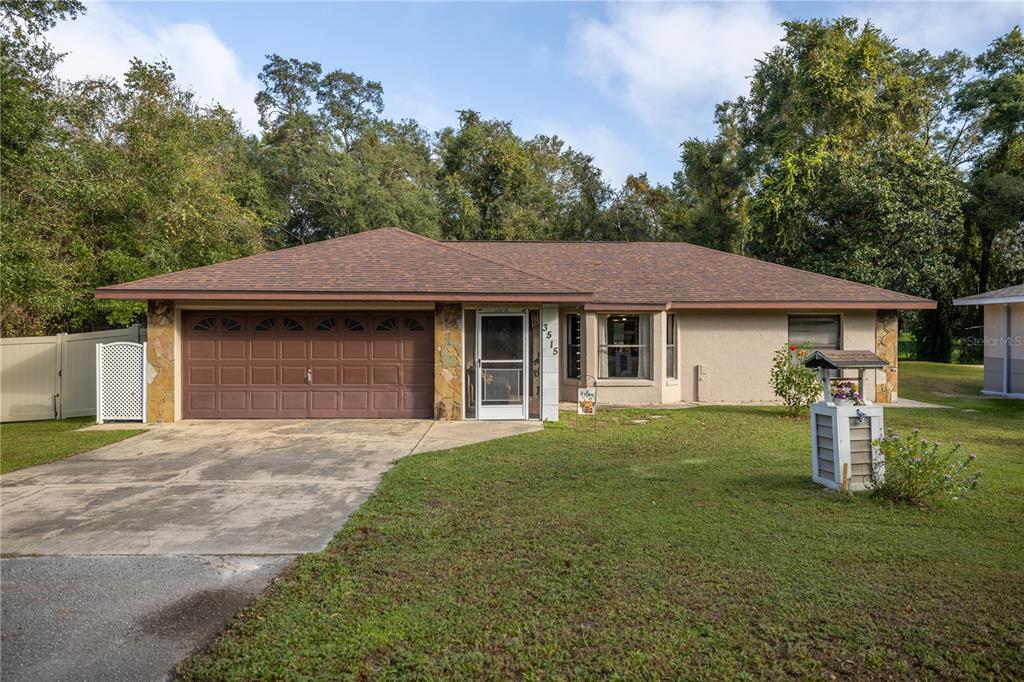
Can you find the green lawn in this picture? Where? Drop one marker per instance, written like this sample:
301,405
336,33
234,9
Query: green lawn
25,444
689,546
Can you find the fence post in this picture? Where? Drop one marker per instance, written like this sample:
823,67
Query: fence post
145,383
99,383
58,383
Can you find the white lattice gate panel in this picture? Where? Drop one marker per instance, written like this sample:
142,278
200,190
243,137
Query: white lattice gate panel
120,382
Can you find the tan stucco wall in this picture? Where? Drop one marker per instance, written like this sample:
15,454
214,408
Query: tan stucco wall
735,350
859,332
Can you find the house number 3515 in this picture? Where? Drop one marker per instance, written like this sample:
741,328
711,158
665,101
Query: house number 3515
549,338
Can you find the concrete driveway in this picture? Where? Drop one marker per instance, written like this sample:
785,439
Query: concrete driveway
121,561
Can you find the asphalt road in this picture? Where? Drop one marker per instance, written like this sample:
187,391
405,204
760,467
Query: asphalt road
119,618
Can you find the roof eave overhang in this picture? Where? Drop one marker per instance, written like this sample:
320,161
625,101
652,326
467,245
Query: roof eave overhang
613,307
804,305
995,300
205,295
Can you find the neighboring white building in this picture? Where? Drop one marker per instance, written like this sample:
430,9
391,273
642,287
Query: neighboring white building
1004,339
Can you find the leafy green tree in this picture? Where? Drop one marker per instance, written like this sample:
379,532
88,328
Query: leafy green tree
993,104
123,182
335,165
581,194
492,184
833,143
714,186
640,211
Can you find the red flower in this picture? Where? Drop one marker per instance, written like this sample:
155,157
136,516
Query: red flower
793,347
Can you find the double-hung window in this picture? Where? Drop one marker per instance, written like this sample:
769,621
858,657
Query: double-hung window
624,346
573,337
670,346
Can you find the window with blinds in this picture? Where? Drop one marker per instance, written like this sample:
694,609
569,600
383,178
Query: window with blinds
817,331
574,339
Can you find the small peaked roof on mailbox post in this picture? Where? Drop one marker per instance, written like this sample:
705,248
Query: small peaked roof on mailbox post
844,359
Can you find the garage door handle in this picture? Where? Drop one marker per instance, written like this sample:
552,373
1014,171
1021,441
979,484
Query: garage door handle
309,375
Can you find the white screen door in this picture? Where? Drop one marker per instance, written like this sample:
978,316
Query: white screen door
501,340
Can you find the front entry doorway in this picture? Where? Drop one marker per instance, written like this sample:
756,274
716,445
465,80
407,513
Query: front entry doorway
502,381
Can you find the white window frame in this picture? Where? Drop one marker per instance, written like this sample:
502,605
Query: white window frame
671,339
645,328
839,332
569,344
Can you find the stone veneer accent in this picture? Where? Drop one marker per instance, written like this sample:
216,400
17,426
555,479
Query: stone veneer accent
448,361
887,331
160,362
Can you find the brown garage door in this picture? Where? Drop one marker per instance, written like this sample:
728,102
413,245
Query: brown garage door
316,364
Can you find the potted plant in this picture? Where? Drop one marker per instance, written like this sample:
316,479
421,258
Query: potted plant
845,393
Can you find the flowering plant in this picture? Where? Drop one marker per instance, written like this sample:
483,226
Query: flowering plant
919,471
796,385
845,390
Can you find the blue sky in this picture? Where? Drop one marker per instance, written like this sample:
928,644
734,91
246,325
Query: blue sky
624,82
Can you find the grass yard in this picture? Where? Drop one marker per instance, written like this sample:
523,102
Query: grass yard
691,546
25,444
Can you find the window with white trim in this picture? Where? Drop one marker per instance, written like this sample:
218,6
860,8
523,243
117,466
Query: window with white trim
671,370
574,345
816,331
624,346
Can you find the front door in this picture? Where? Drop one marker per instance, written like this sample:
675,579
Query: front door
502,379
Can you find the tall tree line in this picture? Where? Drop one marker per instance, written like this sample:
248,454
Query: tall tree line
854,158
847,156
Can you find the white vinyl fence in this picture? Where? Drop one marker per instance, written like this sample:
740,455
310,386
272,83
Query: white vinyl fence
53,377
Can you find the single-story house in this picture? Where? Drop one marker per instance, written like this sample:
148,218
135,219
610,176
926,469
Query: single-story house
388,323
1004,340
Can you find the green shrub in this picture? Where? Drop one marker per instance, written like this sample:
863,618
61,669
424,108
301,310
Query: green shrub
918,471
796,385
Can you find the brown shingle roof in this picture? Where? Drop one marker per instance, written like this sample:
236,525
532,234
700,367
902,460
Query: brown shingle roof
684,275
385,263
391,264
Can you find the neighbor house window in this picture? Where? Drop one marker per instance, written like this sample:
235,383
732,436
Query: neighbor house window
574,337
817,331
670,346
624,345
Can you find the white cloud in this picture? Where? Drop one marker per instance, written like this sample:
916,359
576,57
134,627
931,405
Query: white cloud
938,27
102,42
670,64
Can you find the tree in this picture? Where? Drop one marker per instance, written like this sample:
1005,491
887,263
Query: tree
122,182
639,211
335,165
492,184
832,141
714,186
994,104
